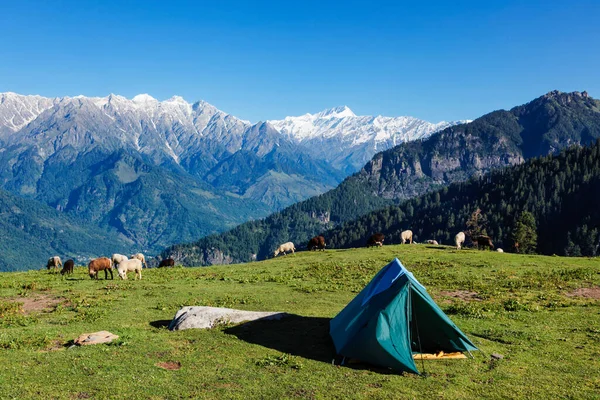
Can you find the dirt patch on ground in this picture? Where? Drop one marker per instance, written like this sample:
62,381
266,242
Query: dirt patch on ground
170,365
55,345
464,295
37,303
588,293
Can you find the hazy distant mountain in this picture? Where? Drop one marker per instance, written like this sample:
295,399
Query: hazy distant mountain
356,139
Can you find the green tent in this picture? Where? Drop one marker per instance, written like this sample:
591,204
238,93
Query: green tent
391,319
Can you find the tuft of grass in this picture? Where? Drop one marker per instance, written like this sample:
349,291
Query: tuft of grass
281,361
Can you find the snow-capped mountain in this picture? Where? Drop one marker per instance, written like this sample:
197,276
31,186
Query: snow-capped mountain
16,110
355,138
165,171
156,171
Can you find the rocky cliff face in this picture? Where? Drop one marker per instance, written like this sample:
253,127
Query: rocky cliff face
499,139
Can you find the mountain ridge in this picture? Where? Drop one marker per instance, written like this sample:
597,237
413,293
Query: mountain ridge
454,154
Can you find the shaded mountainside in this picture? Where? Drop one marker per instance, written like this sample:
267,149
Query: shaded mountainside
152,206
501,138
561,191
496,140
31,232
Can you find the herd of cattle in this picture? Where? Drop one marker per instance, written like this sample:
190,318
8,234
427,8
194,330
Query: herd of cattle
136,262
121,263
318,242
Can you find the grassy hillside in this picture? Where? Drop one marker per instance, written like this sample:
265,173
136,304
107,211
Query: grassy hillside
531,309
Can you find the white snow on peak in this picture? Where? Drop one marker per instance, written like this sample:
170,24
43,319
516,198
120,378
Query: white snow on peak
17,110
336,112
342,124
177,99
144,99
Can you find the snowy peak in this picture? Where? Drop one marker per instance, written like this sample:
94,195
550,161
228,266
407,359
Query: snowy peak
336,112
17,110
346,140
144,99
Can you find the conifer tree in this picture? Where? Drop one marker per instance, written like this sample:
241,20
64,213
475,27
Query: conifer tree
525,233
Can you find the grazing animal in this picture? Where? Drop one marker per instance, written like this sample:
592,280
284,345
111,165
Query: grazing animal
130,265
318,242
100,264
167,262
499,250
54,262
139,256
431,241
484,241
459,240
284,248
406,235
376,239
117,258
68,267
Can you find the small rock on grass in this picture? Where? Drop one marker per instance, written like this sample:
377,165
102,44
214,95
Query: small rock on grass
497,356
95,338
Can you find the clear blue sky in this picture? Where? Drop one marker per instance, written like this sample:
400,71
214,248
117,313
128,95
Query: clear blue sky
437,60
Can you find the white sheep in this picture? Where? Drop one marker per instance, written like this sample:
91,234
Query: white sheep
459,239
130,265
406,235
139,256
431,241
117,258
284,248
499,250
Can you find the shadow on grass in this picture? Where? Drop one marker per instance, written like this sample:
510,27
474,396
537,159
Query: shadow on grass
434,247
161,323
306,337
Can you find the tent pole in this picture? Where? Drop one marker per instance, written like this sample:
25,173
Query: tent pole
417,326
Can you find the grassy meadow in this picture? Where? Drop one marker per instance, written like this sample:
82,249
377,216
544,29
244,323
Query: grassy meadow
542,314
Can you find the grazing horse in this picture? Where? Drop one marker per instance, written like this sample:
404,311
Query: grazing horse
100,264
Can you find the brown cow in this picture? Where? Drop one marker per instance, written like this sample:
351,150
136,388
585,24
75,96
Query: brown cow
167,262
376,240
318,242
68,267
483,241
99,264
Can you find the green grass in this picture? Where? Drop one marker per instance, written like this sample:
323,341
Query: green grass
550,341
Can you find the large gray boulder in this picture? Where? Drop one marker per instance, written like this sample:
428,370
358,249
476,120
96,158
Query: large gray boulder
201,317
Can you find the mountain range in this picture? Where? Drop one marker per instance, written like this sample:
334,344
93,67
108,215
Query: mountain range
356,139
155,173
499,139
